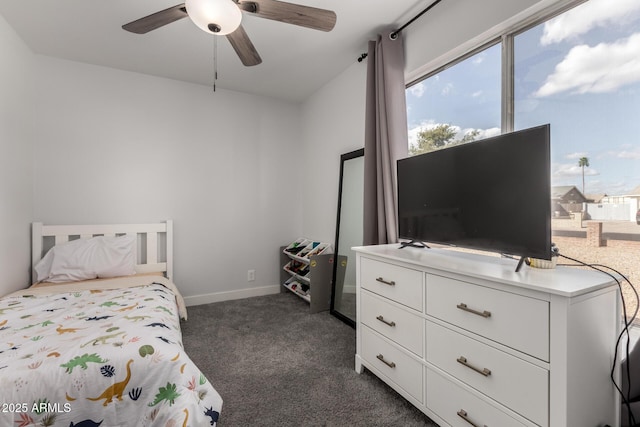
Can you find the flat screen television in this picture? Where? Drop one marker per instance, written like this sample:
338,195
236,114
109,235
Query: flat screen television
493,194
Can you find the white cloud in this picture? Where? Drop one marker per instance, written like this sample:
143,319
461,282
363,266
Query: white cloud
625,151
576,155
417,90
598,69
477,94
560,170
485,133
626,154
479,59
446,89
587,16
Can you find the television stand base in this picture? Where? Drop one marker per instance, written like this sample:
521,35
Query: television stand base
414,244
522,258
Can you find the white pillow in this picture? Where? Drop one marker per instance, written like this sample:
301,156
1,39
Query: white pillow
116,256
85,259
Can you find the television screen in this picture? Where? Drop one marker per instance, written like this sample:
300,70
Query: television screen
493,194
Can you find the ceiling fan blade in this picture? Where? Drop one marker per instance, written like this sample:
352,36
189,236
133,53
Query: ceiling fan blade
304,16
243,47
156,20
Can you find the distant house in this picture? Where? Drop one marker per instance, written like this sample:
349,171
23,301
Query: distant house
624,198
616,208
566,199
596,198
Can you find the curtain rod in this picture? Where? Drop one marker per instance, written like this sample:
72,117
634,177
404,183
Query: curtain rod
394,34
428,8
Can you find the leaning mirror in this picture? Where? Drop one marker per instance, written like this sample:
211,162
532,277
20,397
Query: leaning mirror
348,234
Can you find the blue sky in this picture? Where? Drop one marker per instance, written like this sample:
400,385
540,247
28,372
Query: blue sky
579,71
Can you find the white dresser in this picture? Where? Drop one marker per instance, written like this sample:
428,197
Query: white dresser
471,342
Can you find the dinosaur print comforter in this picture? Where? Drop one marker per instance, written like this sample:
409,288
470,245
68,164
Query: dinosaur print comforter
95,356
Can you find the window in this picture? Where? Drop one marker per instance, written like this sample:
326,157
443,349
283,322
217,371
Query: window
449,108
580,72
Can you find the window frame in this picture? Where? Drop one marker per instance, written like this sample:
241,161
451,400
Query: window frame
489,44
504,34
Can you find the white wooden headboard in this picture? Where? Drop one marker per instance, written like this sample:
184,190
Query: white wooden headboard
155,242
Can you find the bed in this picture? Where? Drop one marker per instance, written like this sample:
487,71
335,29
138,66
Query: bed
101,351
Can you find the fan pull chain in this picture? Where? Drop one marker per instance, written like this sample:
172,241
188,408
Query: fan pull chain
215,61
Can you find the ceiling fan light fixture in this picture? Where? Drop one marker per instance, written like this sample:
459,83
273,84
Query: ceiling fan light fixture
211,15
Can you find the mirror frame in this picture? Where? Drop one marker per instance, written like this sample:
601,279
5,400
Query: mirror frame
343,158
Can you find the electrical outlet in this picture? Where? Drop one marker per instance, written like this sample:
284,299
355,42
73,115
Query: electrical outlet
251,275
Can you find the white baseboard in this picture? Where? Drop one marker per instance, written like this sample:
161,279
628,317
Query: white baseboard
231,295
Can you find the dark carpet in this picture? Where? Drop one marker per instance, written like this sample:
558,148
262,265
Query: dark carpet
274,364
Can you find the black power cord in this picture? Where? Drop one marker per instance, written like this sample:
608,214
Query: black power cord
625,330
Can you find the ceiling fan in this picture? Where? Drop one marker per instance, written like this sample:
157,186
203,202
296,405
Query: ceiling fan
223,17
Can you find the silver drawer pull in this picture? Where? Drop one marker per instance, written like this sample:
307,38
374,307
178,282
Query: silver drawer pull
389,364
463,414
386,322
484,371
386,282
463,306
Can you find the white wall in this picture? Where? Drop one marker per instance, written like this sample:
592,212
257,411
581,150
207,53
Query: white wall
16,169
120,147
333,124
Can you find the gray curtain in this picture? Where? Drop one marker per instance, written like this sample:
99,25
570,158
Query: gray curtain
386,138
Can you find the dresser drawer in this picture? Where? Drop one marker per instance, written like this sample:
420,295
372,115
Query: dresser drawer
459,407
399,284
514,320
517,384
399,325
404,371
